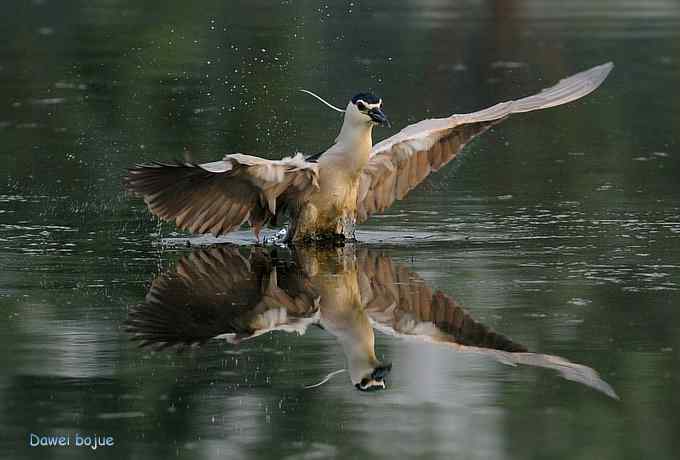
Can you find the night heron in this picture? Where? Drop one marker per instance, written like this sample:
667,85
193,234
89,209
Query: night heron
325,195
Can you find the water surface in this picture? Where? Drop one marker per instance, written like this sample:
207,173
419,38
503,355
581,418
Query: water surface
558,229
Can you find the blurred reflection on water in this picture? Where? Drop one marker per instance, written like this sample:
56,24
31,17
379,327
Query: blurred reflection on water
558,229
239,295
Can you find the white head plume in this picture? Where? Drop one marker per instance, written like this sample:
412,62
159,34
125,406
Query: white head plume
322,100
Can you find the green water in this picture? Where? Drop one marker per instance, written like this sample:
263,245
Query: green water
558,229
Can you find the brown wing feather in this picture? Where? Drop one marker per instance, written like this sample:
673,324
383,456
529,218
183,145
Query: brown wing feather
400,300
401,304
398,164
220,290
219,197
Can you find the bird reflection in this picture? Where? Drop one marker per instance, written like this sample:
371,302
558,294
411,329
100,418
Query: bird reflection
239,293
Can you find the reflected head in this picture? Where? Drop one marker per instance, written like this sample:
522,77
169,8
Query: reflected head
375,380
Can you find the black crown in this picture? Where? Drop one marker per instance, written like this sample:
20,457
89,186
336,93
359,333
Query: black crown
368,98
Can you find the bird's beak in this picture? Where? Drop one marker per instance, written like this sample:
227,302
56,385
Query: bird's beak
380,372
378,116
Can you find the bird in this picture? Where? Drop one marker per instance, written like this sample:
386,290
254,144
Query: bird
238,293
325,195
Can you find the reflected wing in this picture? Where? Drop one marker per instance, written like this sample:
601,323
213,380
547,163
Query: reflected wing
220,292
398,164
218,197
401,304
570,371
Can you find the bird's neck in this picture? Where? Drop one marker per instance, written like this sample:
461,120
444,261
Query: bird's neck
335,276
353,145
355,133
352,328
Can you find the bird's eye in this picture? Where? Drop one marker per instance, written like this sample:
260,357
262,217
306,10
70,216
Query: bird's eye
361,106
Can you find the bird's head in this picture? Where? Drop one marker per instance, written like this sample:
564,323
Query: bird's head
367,107
374,379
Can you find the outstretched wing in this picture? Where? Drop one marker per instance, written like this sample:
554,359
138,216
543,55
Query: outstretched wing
221,292
401,304
218,197
398,164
